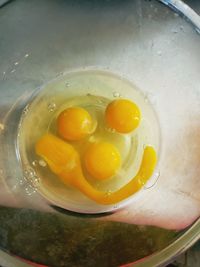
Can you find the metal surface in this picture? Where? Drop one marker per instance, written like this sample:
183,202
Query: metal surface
142,40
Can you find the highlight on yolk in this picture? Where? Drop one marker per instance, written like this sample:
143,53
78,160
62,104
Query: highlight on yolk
122,115
74,123
102,160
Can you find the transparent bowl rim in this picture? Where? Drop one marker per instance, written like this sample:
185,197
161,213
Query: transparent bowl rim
180,245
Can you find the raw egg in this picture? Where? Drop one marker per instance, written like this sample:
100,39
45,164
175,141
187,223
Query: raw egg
84,151
102,160
122,115
74,123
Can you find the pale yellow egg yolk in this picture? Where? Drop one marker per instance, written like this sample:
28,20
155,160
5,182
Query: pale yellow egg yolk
74,123
122,115
102,160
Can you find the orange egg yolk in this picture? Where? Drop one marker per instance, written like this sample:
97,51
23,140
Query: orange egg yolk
122,115
64,161
102,160
74,123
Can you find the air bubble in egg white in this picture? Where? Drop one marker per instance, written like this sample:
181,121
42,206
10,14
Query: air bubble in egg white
30,190
51,107
42,163
29,173
34,163
67,84
25,110
21,181
35,181
116,94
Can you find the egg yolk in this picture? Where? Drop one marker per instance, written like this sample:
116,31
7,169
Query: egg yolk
122,115
64,161
102,160
74,123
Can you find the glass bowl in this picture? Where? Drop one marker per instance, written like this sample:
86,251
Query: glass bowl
156,50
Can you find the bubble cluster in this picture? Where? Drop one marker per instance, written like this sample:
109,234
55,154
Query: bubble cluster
51,107
31,177
30,190
25,110
29,173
